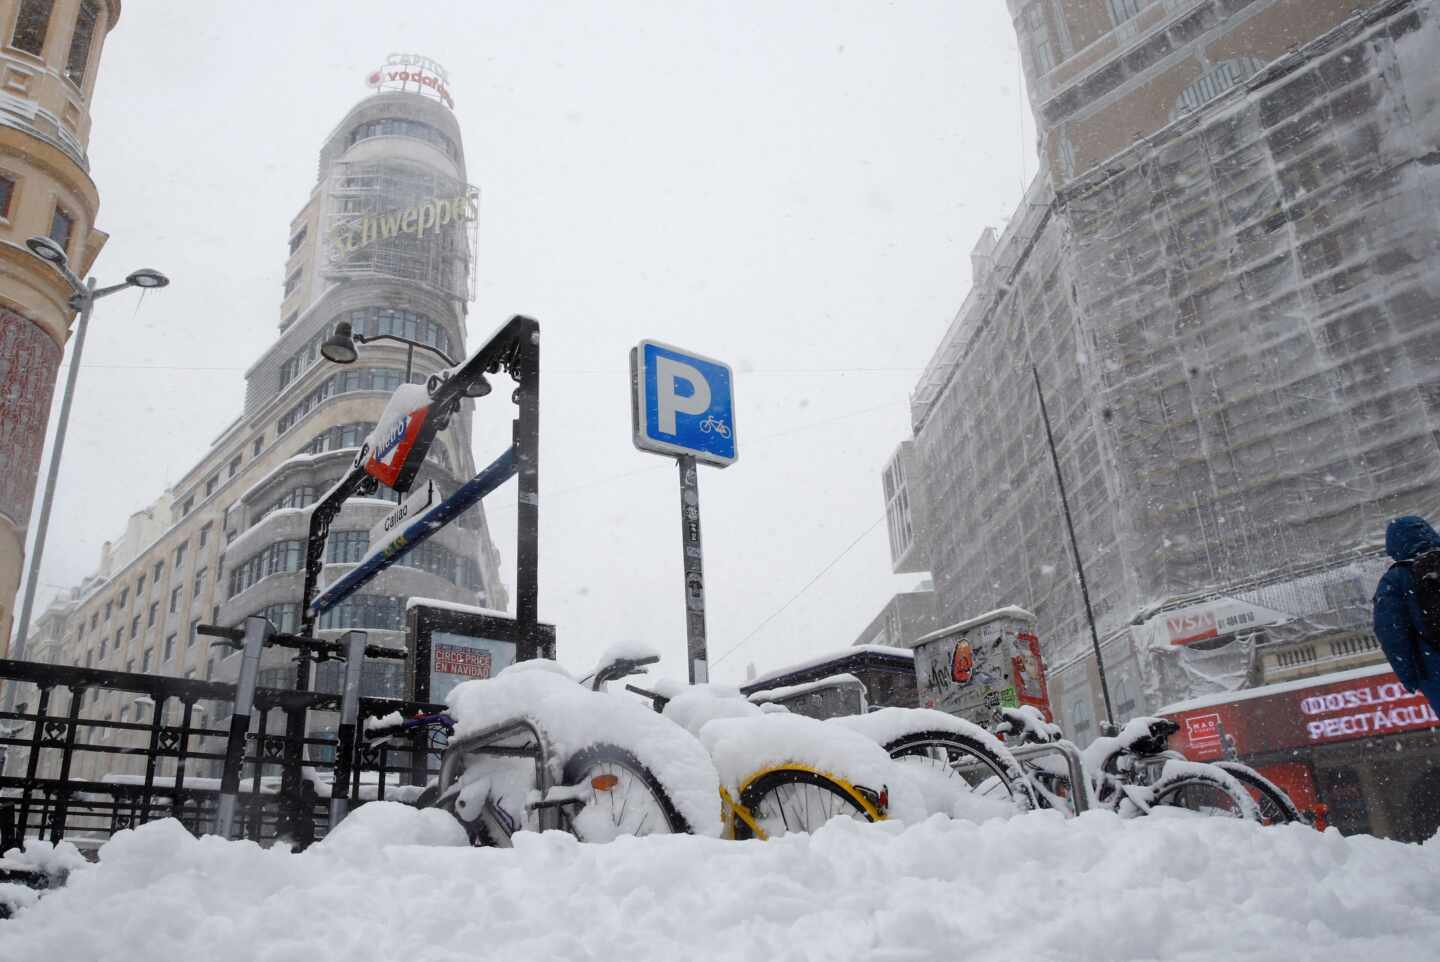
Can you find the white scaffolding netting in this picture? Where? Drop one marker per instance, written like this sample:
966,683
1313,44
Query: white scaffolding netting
1237,324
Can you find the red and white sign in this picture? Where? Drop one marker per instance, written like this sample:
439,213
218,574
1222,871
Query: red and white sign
1367,706
458,660
401,70
1203,729
1189,627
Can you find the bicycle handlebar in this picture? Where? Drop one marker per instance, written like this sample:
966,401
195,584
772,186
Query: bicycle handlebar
439,719
234,637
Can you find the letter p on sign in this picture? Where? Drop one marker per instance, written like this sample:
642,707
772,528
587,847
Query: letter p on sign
682,403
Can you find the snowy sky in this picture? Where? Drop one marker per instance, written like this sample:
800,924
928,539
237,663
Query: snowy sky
793,188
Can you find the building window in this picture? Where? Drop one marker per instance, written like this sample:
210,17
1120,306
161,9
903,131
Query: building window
1220,78
297,240
396,127
140,586
31,25
170,645
259,443
199,582
187,506
211,485
292,282
154,612
1042,50
145,659
104,647
180,556
7,191
108,606
80,42
381,379
204,533
62,225
282,556
134,627
1122,10
124,597
234,466
94,619
175,599
159,570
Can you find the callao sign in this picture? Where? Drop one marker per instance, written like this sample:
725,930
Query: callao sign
403,69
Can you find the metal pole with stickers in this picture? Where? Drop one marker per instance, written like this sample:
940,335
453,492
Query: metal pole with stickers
683,405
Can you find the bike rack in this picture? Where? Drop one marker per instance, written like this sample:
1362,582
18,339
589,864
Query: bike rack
481,743
1081,799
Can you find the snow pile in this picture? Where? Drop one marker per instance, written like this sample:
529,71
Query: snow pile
1035,887
844,679
692,707
41,862
573,718
891,724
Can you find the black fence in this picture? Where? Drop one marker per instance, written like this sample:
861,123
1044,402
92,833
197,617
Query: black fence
88,753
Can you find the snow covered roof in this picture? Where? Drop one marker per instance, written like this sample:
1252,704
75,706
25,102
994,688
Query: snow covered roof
1010,611
1264,691
455,606
834,659
791,691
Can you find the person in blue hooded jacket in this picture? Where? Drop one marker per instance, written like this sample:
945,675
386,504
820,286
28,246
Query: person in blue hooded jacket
1399,625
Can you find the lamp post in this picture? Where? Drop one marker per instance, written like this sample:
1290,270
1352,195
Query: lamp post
83,297
340,348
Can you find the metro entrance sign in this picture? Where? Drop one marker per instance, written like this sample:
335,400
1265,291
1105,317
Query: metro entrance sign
683,404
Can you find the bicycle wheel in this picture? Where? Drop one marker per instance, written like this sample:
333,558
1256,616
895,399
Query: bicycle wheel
1205,793
958,756
786,800
621,797
1276,808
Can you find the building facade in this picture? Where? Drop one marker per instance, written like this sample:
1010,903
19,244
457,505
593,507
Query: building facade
371,247
48,64
1222,280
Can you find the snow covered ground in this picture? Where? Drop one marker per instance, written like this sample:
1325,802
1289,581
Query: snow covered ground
1034,887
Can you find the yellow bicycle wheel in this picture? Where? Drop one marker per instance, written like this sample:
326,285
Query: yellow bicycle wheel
788,799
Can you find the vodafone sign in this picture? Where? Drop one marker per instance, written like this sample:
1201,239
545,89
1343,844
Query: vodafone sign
1364,706
402,70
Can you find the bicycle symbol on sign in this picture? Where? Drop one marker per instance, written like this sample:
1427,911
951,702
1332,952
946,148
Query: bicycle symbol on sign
712,423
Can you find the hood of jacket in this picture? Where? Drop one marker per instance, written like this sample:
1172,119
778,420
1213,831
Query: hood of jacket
1408,536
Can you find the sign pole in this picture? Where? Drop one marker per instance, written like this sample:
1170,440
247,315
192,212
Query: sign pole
694,570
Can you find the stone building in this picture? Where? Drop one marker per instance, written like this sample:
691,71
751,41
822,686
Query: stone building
48,66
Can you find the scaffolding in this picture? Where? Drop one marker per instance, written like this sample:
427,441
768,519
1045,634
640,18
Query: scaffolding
1237,324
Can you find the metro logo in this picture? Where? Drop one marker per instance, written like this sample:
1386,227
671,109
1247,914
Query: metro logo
390,457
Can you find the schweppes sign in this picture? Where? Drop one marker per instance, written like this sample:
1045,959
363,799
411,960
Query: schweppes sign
428,216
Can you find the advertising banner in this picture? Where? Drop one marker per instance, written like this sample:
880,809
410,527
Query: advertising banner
1354,706
456,658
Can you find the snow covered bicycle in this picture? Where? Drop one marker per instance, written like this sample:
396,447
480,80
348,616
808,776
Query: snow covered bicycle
1133,772
781,773
532,749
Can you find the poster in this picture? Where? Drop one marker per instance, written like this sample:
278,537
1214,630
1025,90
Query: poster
456,658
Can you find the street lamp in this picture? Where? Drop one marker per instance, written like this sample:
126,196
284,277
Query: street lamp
83,296
340,348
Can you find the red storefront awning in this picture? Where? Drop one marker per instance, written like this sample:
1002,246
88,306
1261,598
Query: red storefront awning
1364,703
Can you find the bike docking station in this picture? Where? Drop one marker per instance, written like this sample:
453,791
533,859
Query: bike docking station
683,405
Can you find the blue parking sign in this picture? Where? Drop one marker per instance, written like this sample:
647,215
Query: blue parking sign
682,403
